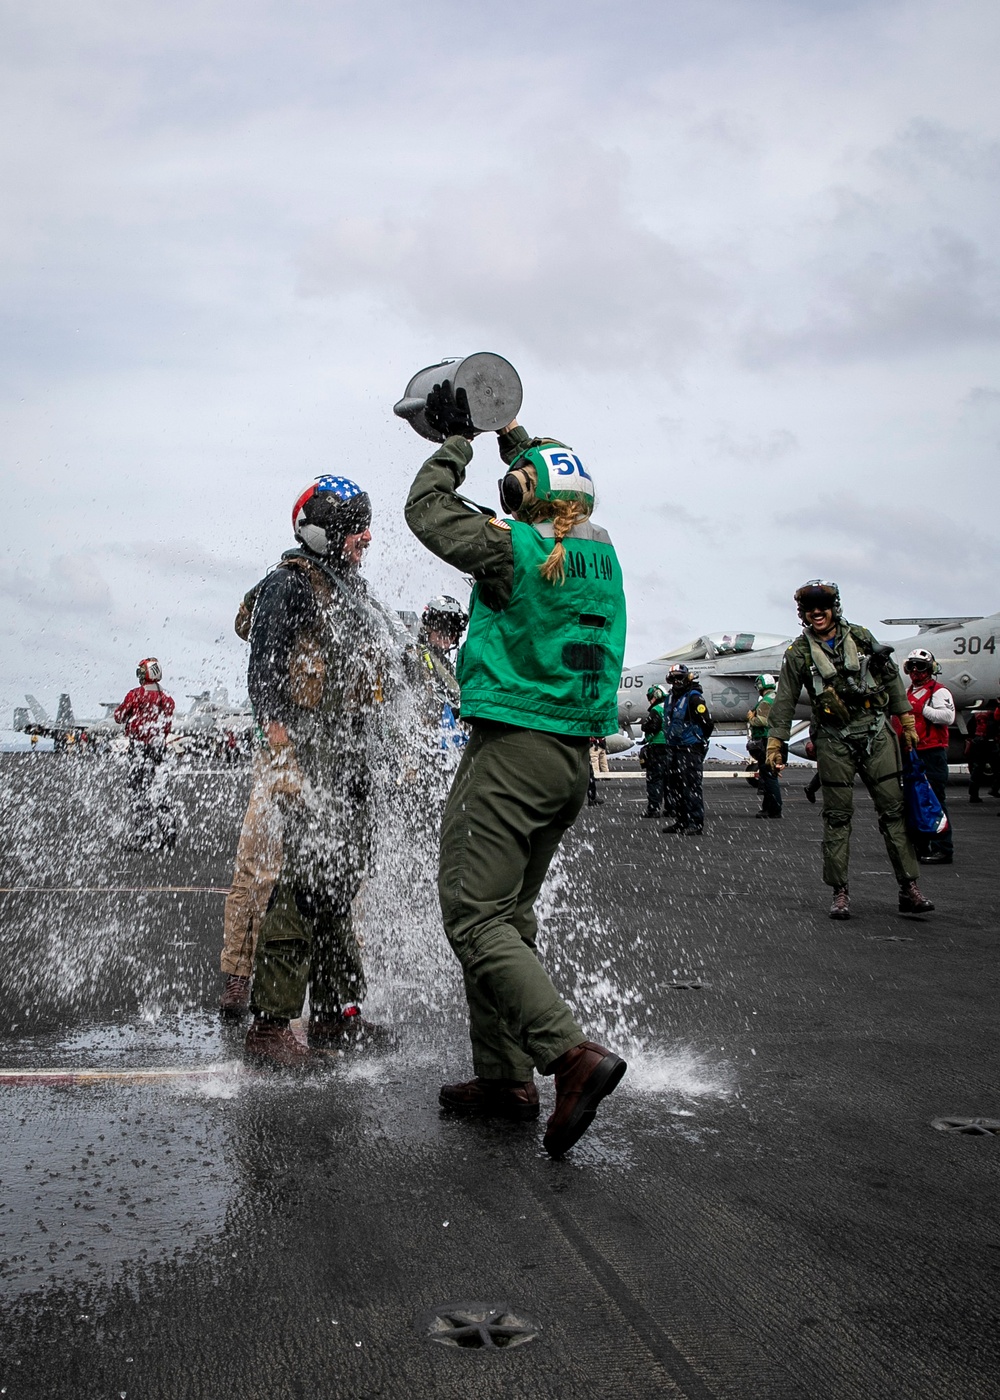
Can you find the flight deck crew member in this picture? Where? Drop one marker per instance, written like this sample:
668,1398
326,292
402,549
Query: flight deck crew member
982,750
687,726
933,709
853,686
442,625
324,657
598,764
146,715
539,673
654,750
757,735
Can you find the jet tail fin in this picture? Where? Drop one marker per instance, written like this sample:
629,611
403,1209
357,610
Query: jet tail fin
64,714
20,719
37,711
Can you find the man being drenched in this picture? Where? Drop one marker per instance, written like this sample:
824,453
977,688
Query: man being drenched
323,653
539,673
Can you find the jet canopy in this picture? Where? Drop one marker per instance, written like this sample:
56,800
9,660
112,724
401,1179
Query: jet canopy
724,644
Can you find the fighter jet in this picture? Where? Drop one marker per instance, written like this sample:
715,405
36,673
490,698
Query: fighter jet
65,729
726,663
211,721
965,649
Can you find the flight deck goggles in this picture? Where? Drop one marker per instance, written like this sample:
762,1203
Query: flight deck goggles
816,600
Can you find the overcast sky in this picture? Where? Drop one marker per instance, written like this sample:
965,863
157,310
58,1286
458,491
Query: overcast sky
743,255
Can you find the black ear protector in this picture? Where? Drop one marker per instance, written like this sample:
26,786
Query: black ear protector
516,489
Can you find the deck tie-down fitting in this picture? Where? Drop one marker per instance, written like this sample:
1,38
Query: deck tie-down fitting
479,1325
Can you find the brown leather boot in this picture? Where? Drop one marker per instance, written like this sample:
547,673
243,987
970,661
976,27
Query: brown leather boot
350,1031
273,1045
492,1098
235,999
584,1076
841,906
911,901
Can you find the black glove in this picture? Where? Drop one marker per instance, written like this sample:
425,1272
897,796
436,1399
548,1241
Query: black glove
447,412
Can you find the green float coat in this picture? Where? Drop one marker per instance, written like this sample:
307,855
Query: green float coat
660,737
551,659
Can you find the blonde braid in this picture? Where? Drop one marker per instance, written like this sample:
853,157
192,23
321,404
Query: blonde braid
564,516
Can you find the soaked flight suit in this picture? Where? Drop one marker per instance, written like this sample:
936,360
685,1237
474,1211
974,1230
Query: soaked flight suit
523,776
257,866
853,687
323,653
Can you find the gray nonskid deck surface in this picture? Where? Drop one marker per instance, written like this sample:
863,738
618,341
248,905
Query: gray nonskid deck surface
762,1209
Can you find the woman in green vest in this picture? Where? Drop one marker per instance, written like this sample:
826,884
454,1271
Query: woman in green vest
539,672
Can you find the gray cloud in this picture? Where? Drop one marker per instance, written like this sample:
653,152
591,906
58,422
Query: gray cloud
229,236
67,584
547,257
678,514
938,294
927,146
756,447
914,559
981,396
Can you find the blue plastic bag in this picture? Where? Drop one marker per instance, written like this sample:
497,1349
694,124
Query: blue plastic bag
922,812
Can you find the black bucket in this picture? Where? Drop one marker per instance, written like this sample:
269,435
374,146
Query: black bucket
491,382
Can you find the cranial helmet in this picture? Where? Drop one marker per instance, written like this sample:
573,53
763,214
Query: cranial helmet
919,660
546,471
445,614
679,674
655,693
765,682
149,671
818,593
327,512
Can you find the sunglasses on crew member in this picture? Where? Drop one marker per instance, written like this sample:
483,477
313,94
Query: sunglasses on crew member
816,602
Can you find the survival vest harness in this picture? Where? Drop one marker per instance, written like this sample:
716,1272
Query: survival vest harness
852,691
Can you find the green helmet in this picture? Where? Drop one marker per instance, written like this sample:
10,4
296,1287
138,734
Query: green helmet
655,694
765,682
560,475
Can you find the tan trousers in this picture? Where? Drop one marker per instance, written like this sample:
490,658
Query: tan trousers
599,761
258,865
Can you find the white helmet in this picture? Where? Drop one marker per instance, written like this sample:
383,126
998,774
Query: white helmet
920,660
149,671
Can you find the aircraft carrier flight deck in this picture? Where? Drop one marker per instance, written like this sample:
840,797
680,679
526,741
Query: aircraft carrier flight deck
765,1210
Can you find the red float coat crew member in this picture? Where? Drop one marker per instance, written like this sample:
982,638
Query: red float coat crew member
933,711
145,712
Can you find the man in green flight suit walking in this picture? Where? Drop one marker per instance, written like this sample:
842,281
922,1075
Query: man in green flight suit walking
854,685
539,673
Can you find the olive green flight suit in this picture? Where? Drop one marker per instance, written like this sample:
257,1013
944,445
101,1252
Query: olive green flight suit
516,792
852,736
